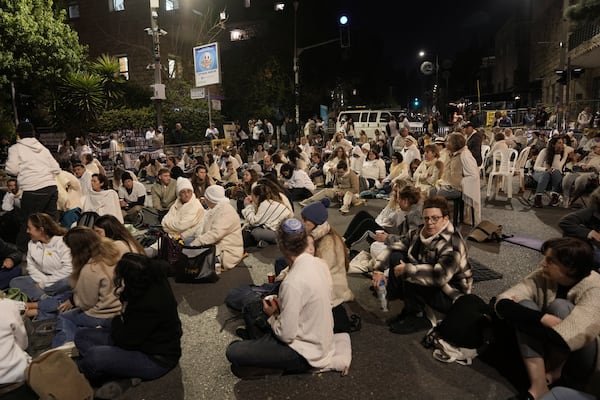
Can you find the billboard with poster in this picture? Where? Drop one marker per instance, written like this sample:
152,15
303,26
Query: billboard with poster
207,69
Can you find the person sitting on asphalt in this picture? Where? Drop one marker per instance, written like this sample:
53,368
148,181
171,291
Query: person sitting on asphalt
373,170
330,166
185,214
297,182
364,226
430,170
548,169
330,247
132,196
48,259
555,311
133,345
70,200
585,224
428,266
102,200
263,212
461,176
11,258
109,226
583,173
13,354
345,189
201,180
221,227
164,192
301,335
94,301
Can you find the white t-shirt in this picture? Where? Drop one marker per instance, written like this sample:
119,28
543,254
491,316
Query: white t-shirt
138,190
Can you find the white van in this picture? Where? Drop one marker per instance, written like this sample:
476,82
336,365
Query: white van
370,120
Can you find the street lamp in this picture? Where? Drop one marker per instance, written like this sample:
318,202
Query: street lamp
427,69
158,86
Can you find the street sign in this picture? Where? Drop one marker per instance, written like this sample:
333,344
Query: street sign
427,68
206,65
197,93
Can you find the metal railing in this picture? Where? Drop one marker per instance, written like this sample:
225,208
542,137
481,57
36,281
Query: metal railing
583,33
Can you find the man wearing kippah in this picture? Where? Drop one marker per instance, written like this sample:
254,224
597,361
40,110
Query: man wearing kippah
300,319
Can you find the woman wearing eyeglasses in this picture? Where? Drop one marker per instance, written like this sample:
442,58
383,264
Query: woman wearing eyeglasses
427,266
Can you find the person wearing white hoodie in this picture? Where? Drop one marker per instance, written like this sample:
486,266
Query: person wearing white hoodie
35,169
14,342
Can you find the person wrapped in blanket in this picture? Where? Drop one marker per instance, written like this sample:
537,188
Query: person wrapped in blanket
555,312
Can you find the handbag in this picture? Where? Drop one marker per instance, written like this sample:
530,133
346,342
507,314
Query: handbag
196,264
169,249
53,375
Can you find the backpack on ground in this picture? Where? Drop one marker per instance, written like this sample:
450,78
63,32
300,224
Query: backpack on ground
465,331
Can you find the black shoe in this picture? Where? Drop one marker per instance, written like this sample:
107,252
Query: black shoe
410,324
242,333
554,200
254,372
537,202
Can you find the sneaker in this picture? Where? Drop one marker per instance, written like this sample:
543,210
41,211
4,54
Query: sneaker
242,333
554,200
262,244
411,324
360,202
344,210
537,202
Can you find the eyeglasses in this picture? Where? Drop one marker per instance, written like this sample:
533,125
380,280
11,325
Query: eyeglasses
434,218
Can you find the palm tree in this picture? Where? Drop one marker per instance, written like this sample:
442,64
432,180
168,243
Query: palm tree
107,68
79,100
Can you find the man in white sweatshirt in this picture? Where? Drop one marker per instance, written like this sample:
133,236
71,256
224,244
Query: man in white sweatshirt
35,169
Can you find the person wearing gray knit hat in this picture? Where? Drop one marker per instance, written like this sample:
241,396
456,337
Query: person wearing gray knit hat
316,212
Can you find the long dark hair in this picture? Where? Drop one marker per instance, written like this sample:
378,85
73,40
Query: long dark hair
115,230
136,273
550,150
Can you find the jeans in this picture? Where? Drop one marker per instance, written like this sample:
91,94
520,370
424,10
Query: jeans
266,352
7,275
48,307
579,364
252,237
543,178
28,286
360,224
101,360
574,183
71,321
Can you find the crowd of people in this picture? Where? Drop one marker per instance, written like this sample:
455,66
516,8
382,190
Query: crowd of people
101,285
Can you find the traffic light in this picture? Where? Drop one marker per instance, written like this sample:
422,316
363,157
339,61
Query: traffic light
562,76
344,24
416,102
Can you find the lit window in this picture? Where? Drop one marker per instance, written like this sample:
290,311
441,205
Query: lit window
172,68
171,5
124,66
73,11
116,5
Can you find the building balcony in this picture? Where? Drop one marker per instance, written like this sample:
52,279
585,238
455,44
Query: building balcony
584,45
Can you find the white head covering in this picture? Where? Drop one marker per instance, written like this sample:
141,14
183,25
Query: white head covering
184,183
215,194
366,147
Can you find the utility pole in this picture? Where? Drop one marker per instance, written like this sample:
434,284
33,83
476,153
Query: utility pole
159,88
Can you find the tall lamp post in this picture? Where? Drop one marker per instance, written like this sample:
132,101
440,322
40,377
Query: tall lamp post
296,68
158,86
427,69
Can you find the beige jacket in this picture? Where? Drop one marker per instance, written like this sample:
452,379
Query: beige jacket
221,226
330,248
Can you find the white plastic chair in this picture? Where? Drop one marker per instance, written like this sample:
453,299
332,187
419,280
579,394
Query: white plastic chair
503,166
520,167
485,151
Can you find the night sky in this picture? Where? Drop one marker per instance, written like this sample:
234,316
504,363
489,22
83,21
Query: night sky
386,36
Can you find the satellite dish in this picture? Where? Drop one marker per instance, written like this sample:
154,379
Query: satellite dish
427,68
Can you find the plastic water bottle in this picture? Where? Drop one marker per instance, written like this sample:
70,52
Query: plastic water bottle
381,295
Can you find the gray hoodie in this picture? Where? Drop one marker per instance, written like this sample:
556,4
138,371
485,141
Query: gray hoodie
32,164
